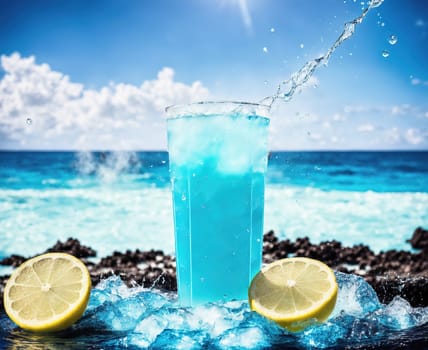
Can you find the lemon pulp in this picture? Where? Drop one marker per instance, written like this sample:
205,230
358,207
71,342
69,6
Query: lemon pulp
294,292
48,293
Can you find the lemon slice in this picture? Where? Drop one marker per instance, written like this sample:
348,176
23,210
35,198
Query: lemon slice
48,293
294,292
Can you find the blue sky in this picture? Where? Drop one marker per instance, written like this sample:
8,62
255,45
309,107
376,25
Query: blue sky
97,74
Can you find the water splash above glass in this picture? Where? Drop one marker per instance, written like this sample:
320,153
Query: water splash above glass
287,88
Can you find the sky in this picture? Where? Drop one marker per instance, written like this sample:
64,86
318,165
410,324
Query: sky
98,74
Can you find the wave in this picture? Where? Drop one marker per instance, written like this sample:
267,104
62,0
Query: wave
107,165
383,220
119,218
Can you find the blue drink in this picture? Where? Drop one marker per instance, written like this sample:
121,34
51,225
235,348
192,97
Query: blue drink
218,157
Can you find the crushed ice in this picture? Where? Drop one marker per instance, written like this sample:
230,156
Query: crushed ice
149,318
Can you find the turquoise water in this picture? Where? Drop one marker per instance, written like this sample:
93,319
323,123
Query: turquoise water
218,204
220,246
118,201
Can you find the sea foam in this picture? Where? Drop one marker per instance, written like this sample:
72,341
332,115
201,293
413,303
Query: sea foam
140,216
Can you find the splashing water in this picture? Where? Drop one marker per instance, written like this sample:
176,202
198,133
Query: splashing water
106,165
393,39
287,88
121,317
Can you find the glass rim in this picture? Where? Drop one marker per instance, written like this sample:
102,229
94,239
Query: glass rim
173,111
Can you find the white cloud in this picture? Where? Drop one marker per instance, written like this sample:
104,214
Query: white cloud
314,136
326,125
72,116
364,128
337,117
414,136
392,136
405,109
358,109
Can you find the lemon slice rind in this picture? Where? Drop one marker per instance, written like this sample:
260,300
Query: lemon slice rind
47,293
275,279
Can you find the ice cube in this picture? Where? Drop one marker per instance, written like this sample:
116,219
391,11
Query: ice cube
399,314
355,296
243,338
214,318
179,339
148,329
326,334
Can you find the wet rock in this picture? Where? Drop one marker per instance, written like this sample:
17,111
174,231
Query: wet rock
419,239
13,260
72,246
149,268
413,289
390,273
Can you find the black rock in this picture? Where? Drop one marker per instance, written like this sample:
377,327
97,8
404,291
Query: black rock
13,260
72,246
419,239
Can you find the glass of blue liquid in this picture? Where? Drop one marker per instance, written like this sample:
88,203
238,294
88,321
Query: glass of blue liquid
218,159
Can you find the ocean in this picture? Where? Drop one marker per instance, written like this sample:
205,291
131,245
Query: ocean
121,200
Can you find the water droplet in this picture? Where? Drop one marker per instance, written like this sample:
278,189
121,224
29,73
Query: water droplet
183,197
382,24
393,39
308,133
265,49
302,46
29,121
385,53
265,82
272,30
375,3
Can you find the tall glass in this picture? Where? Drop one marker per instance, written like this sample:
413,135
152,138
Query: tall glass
217,159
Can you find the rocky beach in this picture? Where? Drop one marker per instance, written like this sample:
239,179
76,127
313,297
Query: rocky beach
390,273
